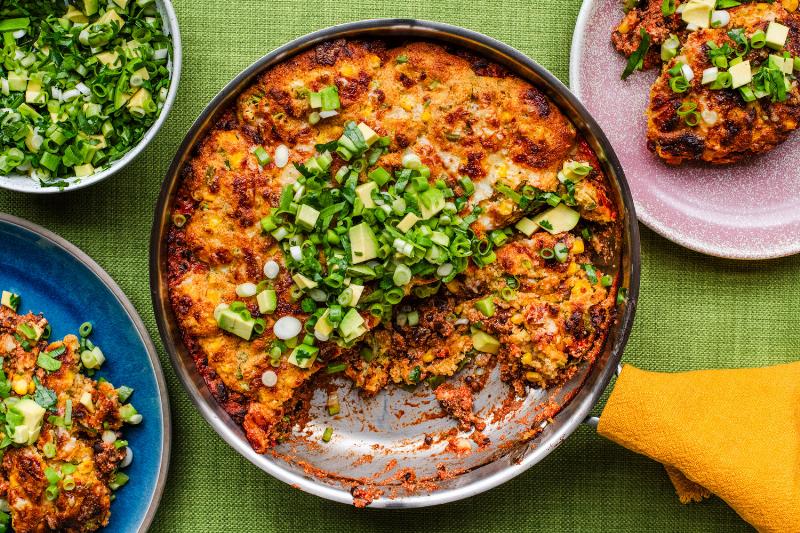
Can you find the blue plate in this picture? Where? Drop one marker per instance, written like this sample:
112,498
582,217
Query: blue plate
57,279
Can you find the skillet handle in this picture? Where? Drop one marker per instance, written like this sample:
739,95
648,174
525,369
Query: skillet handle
592,421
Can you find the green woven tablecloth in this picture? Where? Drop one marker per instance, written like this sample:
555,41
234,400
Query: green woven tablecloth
695,311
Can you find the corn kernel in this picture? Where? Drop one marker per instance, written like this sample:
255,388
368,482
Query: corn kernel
20,386
506,207
505,116
577,246
31,387
428,357
517,318
572,269
235,159
374,61
580,288
348,70
426,115
790,5
532,376
502,170
624,27
407,103
527,359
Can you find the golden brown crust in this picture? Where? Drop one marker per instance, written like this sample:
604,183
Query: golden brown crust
461,114
626,37
742,129
95,408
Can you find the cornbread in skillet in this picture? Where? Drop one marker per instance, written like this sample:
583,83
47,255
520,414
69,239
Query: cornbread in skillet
533,301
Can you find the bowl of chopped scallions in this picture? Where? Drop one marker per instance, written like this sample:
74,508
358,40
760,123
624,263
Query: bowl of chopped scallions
85,85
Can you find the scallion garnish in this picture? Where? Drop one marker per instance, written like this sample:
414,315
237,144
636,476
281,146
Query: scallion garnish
636,60
81,88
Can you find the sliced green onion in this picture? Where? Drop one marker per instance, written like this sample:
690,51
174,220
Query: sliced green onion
636,60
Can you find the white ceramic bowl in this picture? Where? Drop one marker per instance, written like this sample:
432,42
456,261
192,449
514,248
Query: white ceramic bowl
27,184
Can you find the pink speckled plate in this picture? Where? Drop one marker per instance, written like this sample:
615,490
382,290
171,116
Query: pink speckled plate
744,211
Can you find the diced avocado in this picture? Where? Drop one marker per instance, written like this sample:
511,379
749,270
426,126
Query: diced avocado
575,171
776,35
143,74
527,226
323,325
303,356
75,16
109,59
358,290
431,202
557,219
90,7
306,217
363,244
740,74
111,16
364,192
81,171
368,133
697,12
788,65
267,301
140,100
483,342
10,300
233,322
407,223
27,431
17,82
304,282
351,323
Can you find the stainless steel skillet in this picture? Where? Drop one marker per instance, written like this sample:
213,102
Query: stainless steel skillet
379,443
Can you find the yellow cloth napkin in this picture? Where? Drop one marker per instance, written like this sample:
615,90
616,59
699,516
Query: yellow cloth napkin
733,433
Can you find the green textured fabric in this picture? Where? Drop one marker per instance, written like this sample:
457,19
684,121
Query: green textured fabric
695,311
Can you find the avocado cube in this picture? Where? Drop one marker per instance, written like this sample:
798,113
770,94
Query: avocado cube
407,223
90,7
32,414
304,282
267,301
558,219
431,202
363,244
81,171
109,59
17,82
303,356
351,325
306,217
323,325
233,322
527,226
10,300
777,35
364,192
740,74
368,133
483,342
75,16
